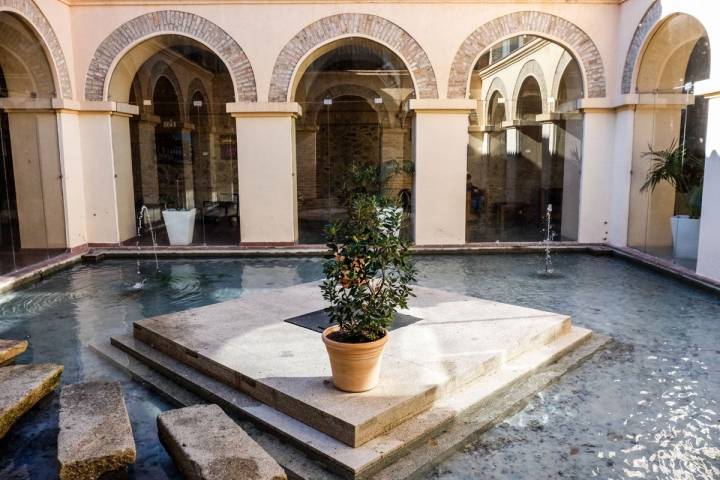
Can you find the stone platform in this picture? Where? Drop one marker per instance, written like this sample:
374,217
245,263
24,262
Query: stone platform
246,344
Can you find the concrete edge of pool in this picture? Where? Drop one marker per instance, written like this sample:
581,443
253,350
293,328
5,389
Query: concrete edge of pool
24,276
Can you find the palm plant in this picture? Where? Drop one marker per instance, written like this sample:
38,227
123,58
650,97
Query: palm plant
679,168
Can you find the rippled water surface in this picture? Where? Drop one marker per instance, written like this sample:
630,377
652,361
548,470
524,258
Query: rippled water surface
646,407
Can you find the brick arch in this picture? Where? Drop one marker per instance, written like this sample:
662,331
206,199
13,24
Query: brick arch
175,22
534,23
30,13
647,23
27,55
531,69
348,24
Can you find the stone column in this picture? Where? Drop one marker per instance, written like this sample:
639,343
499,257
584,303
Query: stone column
148,159
107,164
708,263
188,179
622,154
596,176
512,151
307,162
393,150
266,171
73,177
549,125
440,139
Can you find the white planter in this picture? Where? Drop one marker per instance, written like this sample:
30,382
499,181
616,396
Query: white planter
180,225
685,236
386,212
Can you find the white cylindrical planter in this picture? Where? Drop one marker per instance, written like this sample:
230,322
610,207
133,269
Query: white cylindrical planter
685,236
180,225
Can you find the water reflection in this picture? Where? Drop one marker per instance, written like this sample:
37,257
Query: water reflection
646,407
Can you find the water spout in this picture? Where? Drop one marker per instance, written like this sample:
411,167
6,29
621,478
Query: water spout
549,234
144,215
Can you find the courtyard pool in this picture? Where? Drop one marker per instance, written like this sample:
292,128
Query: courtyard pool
645,407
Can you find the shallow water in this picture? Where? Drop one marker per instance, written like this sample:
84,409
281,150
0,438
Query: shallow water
646,407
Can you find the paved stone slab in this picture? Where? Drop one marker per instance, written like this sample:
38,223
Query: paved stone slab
478,399
206,444
9,349
457,340
21,387
95,433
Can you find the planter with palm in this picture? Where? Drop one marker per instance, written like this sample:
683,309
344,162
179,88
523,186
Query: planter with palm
684,172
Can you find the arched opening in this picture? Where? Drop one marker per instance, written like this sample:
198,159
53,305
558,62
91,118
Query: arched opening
523,151
354,134
182,144
669,138
32,217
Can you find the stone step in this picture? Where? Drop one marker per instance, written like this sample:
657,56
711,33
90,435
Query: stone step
458,340
206,444
151,378
10,349
95,434
179,393
381,452
21,387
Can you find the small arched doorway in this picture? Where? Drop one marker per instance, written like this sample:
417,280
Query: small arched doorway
32,216
355,132
183,144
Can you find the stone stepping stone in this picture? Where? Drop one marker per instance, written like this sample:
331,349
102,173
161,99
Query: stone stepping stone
21,387
95,433
9,349
206,444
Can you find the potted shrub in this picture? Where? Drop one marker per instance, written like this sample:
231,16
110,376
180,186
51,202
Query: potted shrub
367,277
371,180
684,172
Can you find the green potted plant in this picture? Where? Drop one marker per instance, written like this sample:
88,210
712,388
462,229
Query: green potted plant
367,278
684,172
373,180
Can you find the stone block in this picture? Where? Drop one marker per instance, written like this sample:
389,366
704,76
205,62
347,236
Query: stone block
9,349
95,433
206,444
21,387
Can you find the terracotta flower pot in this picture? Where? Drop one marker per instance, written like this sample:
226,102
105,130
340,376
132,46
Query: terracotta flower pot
355,366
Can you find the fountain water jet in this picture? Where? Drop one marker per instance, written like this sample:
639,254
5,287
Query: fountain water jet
144,214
